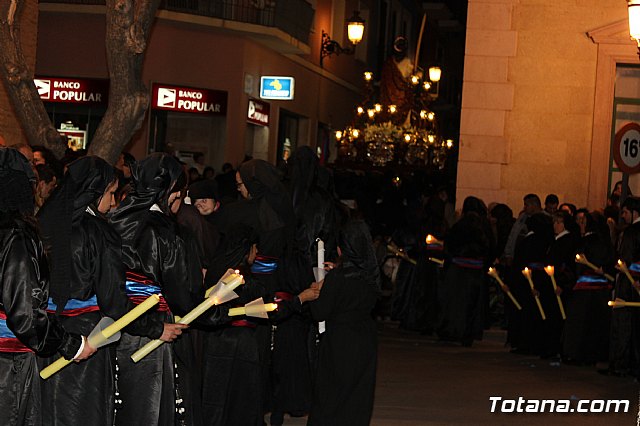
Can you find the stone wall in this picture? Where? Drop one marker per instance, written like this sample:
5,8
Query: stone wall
528,100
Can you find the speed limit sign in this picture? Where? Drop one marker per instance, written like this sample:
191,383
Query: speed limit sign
626,148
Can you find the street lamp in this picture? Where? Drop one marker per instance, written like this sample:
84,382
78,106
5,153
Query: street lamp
434,74
355,31
634,21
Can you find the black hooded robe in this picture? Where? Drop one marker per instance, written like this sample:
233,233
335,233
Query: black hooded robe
90,286
345,381
155,252
25,326
586,330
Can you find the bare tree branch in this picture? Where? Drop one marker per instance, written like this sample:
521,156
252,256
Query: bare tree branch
128,28
18,81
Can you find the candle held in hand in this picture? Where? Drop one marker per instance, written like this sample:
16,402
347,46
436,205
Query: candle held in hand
527,273
494,274
550,271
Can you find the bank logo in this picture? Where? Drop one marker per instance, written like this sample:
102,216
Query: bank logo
276,84
44,88
166,98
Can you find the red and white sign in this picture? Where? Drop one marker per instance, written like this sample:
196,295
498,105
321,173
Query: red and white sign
73,90
188,99
258,112
626,148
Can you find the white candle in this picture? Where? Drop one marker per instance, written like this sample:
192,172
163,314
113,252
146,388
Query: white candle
321,271
99,339
320,253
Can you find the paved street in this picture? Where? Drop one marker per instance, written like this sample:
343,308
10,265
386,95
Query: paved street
425,382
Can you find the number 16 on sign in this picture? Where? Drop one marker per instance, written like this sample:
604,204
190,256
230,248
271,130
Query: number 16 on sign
626,148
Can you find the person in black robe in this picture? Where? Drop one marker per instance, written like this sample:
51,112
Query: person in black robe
158,259
345,381
624,352
87,282
586,330
26,328
561,255
412,278
316,218
199,217
197,223
232,391
273,219
470,247
526,327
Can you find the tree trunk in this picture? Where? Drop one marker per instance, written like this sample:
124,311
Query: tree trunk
128,28
18,80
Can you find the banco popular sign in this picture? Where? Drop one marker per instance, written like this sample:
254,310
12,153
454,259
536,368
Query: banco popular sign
258,112
188,99
73,90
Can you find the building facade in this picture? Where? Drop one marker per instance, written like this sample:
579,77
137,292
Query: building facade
546,86
203,68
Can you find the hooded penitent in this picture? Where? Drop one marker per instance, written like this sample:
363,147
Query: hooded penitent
304,174
153,180
358,256
263,183
84,183
16,178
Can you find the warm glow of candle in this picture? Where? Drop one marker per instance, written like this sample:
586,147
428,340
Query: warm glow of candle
550,270
621,303
234,281
254,309
224,289
432,240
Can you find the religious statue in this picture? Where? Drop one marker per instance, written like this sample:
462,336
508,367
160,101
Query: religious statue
396,71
